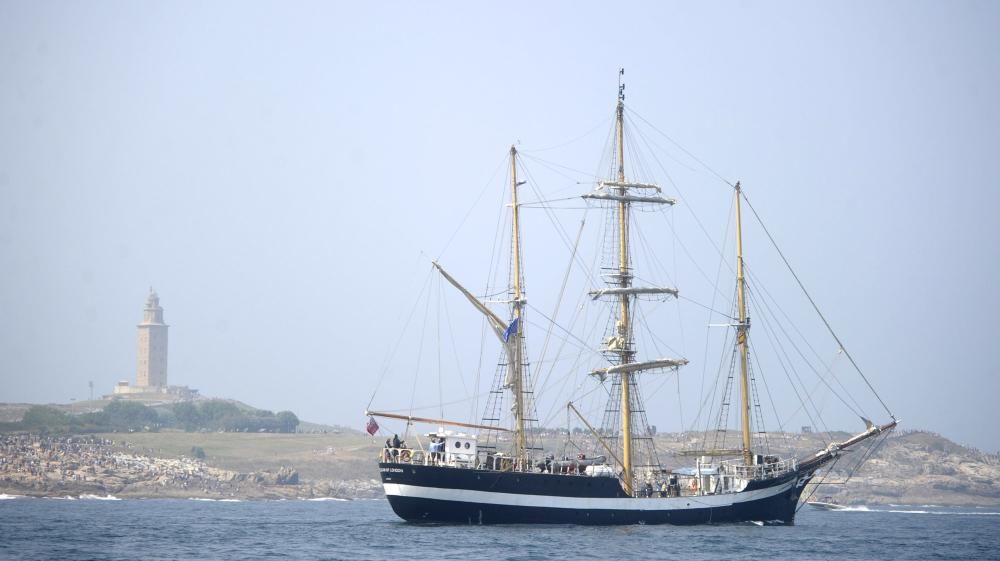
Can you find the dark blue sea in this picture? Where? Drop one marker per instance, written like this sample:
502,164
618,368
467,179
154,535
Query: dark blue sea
64,530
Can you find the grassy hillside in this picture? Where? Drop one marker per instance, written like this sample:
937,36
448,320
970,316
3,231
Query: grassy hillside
314,456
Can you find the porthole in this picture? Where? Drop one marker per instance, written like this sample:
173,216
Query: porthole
458,444
466,445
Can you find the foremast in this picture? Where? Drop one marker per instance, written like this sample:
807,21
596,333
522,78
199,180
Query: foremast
741,336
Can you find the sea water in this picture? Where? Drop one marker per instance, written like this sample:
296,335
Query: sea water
88,528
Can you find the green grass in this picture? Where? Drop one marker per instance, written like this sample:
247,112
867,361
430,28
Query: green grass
315,456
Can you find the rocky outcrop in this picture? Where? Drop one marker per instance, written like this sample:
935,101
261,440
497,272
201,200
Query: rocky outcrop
921,468
39,465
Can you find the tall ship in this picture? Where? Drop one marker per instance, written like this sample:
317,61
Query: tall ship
500,468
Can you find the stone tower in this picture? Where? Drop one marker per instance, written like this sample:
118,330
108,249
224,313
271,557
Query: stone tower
152,345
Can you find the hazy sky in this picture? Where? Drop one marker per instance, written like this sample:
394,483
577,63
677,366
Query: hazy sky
281,173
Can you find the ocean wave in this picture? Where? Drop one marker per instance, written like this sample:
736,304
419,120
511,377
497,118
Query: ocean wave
207,500
916,511
99,498
66,498
6,497
322,499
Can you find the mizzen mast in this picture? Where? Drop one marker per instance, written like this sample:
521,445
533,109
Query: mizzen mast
741,336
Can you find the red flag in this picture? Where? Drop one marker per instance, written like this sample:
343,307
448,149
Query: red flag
372,426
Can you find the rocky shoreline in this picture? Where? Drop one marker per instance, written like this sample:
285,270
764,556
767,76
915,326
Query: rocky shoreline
74,466
907,468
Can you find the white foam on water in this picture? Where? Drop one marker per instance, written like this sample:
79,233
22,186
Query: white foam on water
99,498
917,511
325,499
945,513
6,497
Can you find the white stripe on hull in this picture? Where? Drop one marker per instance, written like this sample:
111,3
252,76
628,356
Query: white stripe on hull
547,501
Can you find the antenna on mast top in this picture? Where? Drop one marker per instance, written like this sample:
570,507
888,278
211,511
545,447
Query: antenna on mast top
621,84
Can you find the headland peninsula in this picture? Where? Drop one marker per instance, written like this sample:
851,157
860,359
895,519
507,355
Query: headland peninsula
910,467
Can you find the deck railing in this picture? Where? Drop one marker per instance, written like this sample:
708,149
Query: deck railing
758,471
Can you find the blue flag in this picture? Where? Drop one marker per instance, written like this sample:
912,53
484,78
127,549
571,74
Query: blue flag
511,329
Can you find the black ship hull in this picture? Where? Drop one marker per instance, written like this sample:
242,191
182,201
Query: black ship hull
439,494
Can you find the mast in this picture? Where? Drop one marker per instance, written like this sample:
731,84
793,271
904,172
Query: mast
516,362
741,336
624,280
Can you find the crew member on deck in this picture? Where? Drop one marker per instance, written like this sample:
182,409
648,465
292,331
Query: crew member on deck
395,446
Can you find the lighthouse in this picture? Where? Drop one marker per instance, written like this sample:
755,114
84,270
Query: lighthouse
151,370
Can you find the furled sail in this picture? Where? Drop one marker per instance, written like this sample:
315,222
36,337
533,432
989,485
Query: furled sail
632,290
628,185
628,198
499,326
630,367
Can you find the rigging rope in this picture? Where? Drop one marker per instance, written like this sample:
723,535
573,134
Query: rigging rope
469,212
775,244
395,347
765,310
420,353
767,297
603,123
681,195
815,486
674,142
872,449
772,338
454,347
540,381
813,303
550,165
767,390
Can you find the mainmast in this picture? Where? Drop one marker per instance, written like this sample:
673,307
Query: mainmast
620,343
624,280
741,336
515,333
